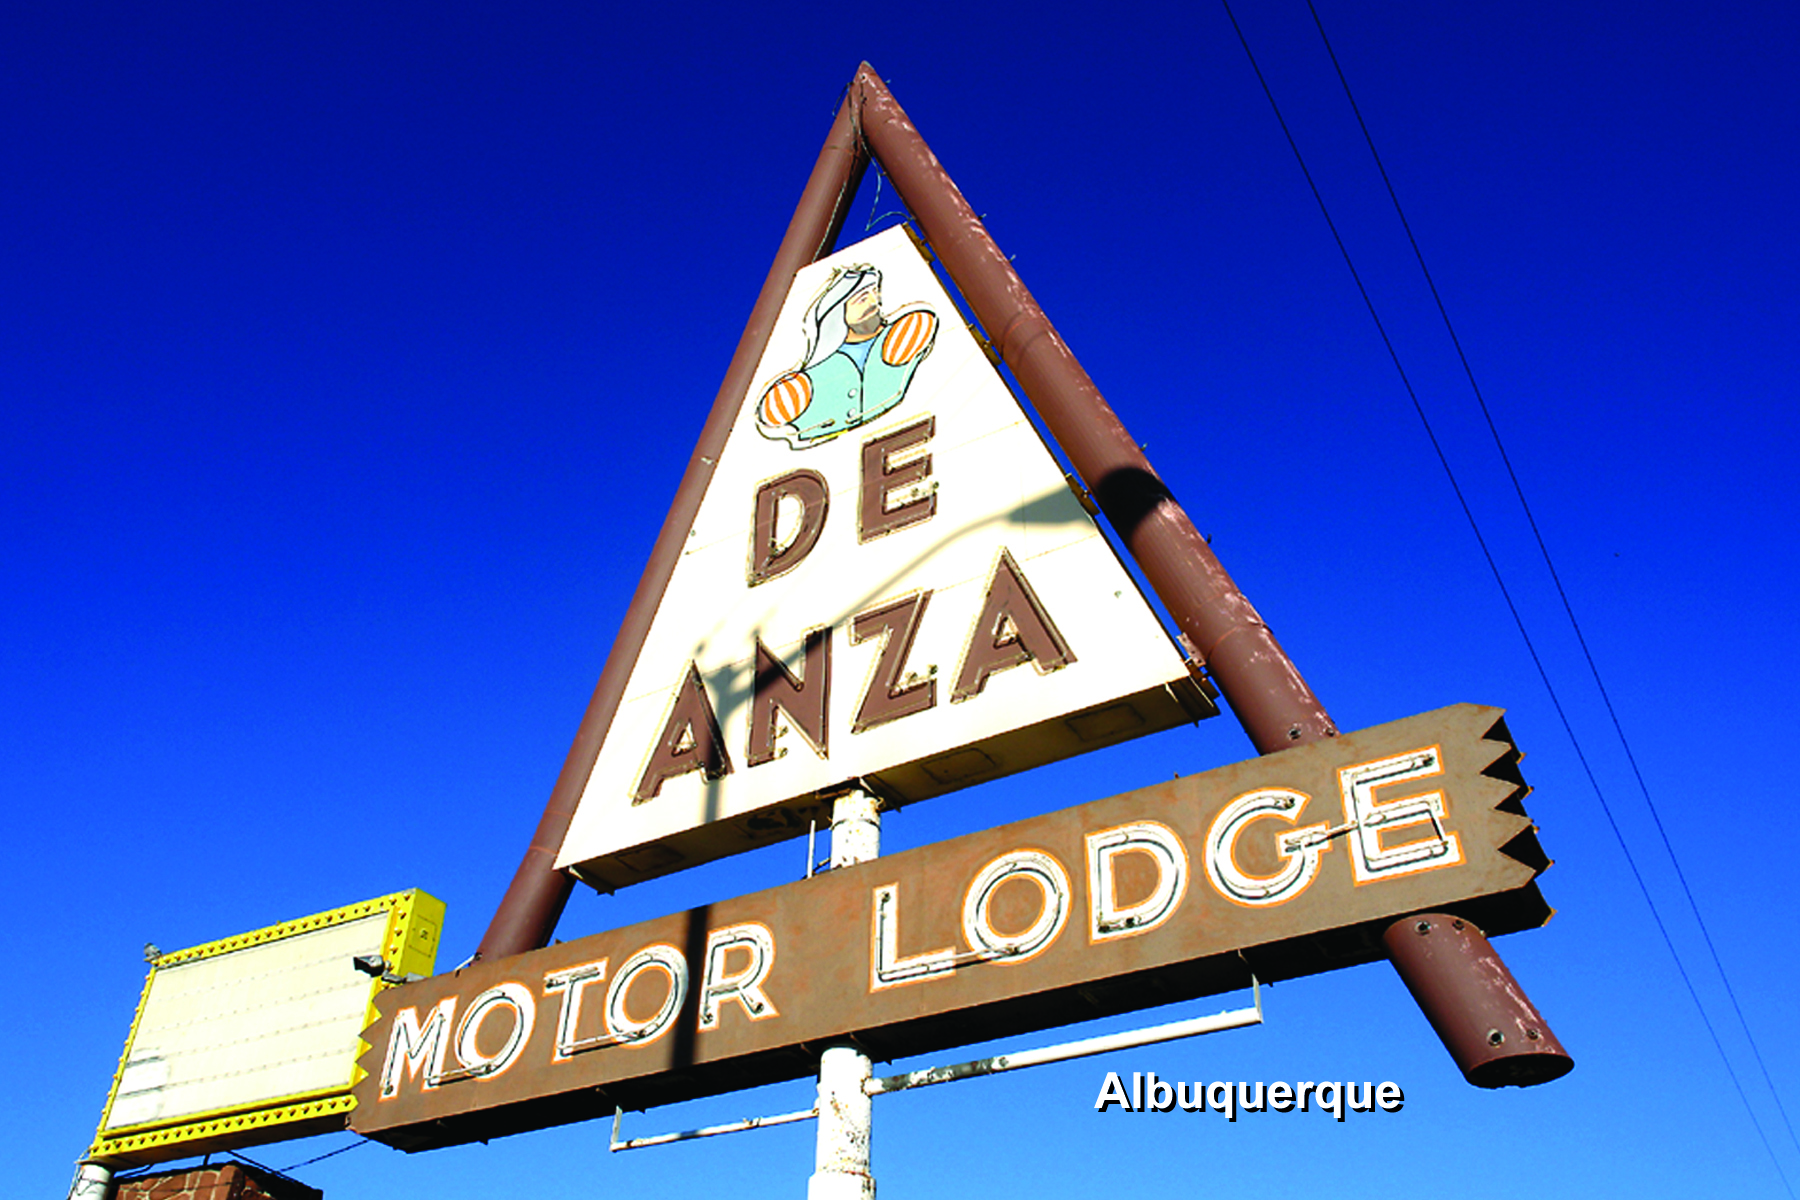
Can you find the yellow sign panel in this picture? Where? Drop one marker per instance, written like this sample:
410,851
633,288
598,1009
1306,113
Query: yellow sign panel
254,1038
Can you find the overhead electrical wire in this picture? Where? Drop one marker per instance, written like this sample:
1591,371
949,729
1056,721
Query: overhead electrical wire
1555,578
322,1157
1518,619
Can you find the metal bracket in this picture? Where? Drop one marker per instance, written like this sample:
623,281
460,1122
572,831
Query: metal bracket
462,1073
600,1041
688,1135
1236,1018
966,957
1082,495
989,351
1375,821
1232,1019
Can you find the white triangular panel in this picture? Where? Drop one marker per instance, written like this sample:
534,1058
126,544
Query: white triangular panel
989,501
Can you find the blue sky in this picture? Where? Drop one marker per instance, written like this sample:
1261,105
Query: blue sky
349,358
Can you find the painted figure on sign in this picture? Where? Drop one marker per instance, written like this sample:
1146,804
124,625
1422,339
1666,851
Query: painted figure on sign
858,365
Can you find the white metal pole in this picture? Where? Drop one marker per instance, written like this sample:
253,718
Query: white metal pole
92,1182
855,829
841,1165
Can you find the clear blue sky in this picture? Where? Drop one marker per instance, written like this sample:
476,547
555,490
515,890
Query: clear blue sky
317,326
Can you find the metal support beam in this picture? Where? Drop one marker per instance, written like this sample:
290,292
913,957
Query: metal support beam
1218,625
1235,1019
841,1168
688,1135
1483,1016
534,901
1261,683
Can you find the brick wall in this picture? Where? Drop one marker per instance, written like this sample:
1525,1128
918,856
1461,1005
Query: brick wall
228,1181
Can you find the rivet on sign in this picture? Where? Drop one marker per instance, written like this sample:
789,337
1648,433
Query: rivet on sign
1456,924
1533,1034
1495,1037
1423,927
1294,734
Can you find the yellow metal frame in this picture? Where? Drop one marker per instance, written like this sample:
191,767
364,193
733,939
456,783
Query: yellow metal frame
409,947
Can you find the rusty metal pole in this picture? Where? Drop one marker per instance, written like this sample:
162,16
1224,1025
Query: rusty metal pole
1218,625
1264,688
534,901
1484,1018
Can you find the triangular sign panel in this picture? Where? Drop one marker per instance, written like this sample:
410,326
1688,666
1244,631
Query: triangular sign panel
889,580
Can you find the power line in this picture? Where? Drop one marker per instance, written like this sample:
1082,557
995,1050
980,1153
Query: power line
1494,567
328,1154
1555,578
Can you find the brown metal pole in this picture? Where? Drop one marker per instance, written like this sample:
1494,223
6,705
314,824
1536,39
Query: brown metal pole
1470,989
1484,1018
534,901
1271,700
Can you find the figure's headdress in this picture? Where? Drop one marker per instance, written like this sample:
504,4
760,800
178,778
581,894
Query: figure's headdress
826,329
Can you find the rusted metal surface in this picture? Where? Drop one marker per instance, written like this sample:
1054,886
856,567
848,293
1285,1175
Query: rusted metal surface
534,901
1491,1028
841,1164
1158,895
1276,707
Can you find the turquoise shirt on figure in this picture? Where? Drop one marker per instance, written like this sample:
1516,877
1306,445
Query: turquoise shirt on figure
858,364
